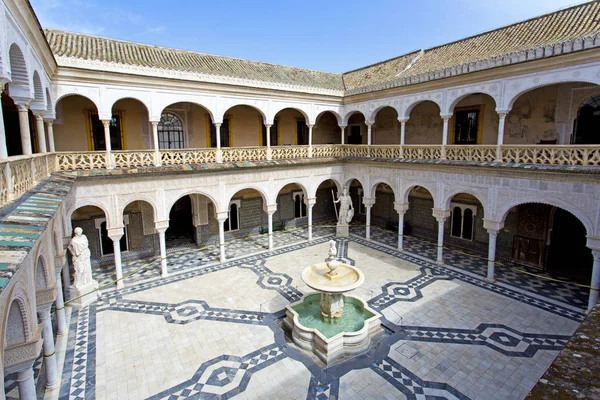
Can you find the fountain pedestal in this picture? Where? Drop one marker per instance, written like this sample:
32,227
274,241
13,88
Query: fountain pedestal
332,305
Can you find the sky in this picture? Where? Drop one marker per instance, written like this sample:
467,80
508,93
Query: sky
325,35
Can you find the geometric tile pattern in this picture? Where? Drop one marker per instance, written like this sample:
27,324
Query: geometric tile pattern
80,367
566,311
476,263
407,291
268,279
501,338
184,312
223,376
411,385
321,391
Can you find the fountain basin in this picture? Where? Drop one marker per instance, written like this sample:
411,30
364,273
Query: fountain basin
342,337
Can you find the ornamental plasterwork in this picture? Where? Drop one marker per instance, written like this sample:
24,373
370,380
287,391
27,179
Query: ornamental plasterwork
565,47
190,76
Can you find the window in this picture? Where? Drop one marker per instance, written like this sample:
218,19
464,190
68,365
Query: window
299,205
106,243
232,223
225,137
301,132
96,132
274,134
467,125
361,206
170,132
355,136
462,220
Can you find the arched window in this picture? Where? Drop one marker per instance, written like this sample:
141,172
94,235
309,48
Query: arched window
462,220
232,223
299,205
170,132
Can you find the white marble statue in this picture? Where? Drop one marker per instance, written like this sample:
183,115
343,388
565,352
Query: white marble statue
346,211
332,249
78,246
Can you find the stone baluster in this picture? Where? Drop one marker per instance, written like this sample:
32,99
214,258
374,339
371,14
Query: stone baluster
52,378
222,217
401,208
40,132
368,203
109,161
310,202
115,234
50,129
270,210
440,216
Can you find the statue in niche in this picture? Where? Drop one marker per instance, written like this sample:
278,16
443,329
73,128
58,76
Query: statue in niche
346,211
78,247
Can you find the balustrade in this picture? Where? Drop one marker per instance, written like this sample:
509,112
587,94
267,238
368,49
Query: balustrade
237,154
133,159
471,153
188,156
288,152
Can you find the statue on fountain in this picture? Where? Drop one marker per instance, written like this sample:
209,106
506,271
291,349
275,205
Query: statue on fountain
84,288
345,213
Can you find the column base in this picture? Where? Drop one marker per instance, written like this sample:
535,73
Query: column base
342,230
84,295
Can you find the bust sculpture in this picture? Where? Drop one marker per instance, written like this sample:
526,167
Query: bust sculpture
78,247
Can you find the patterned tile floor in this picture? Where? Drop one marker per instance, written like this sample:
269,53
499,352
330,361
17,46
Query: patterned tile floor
212,330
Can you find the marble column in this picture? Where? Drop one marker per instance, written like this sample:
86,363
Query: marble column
401,208
368,203
369,132
268,129
501,122
40,132
50,129
441,216
59,303
3,147
310,202
445,118
164,272
116,238
493,235
270,210
402,135
310,131
106,124
157,160
218,138
66,277
595,285
24,128
343,128
26,384
222,217
52,378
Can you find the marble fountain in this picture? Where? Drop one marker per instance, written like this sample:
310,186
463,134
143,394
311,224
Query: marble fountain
330,324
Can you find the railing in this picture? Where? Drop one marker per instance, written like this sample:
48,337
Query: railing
236,154
21,173
133,159
471,153
70,161
417,152
188,156
289,152
587,155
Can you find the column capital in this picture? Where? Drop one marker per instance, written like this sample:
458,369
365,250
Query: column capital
440,214
270,208
217,124
49,121
39,115
490,225
154,123
446,117
593,242
115,233
310,201
23,107
369,123
268,126
368,201
161,224
401,208
222,216
402,120
343,126
502,112
106,122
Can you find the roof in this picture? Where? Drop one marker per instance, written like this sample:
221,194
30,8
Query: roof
544,36
93,48
567,24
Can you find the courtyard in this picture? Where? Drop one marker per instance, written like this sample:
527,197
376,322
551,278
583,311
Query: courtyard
213,330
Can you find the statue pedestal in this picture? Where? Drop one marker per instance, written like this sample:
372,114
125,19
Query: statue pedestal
342,230
83,295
